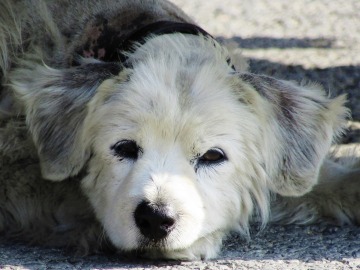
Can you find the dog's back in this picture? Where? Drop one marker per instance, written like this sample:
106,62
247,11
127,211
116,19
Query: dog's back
65,30
61,33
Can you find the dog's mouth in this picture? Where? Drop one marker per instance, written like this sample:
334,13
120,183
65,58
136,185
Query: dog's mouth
154,245
149,249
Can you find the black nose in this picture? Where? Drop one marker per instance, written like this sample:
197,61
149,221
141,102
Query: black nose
154,222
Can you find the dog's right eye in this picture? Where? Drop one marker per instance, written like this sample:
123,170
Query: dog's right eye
126,149
212,156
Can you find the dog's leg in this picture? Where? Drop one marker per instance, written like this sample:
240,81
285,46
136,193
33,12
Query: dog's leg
38,211
336,198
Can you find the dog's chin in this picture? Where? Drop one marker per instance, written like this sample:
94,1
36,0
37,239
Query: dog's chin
204,248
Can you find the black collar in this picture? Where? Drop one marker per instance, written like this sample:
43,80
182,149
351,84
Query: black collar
160,28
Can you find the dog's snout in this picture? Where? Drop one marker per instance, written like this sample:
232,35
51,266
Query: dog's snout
154,222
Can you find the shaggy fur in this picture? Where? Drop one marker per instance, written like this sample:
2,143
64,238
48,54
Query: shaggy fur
162,154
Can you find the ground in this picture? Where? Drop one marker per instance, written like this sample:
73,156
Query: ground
297,40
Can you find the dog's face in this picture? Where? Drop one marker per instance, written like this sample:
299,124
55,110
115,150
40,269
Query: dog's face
178,148
168,149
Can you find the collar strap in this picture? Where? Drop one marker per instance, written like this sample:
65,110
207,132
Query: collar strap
160,28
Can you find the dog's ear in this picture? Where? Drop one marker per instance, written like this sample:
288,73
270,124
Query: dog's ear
55,103
298,125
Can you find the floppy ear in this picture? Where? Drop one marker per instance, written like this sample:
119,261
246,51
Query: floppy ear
55,103
300,124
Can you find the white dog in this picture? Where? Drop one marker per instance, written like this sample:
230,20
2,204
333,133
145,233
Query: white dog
143,112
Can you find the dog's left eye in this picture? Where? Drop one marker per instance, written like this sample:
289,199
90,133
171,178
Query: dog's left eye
127,149
212,156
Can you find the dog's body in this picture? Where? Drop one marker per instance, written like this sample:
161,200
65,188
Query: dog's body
171,145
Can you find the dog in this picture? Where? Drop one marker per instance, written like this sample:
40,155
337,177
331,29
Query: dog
126,125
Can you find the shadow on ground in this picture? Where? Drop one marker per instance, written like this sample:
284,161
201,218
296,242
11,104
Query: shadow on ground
281,43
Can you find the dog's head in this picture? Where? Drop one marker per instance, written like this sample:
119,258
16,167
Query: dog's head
179,148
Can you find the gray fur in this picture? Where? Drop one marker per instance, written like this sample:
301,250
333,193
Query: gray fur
302,128
55,105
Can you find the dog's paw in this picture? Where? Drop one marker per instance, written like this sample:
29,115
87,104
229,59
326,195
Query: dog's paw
336,202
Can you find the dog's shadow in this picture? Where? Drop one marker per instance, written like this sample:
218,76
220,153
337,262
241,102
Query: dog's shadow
280,43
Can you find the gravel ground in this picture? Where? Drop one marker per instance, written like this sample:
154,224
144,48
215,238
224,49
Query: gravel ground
277,247
297,40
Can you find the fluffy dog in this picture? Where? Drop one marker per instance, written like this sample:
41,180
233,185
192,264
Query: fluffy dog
124,122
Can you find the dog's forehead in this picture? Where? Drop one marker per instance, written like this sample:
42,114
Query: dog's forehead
174,102
184,83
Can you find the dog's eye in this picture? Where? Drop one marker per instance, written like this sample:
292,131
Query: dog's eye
212,156
126,149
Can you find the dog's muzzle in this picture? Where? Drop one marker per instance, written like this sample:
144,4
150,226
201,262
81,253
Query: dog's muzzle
155,222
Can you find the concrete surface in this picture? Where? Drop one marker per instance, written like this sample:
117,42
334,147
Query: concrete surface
278,247
301,40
